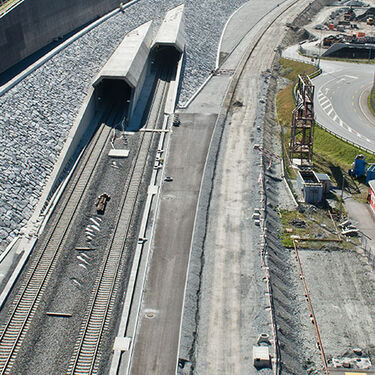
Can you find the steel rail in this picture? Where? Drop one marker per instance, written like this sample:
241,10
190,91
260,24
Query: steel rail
37,276
86,355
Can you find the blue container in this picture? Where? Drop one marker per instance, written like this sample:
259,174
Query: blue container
359,169
370,173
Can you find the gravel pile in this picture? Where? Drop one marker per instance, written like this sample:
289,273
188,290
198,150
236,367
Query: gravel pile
37,114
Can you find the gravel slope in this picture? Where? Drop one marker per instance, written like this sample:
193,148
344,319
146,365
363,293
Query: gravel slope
37,114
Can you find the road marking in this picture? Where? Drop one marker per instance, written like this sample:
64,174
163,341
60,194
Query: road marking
359,135
335,117
323,102
369,119
350,129
368,140
327,106
341,122
330,111
353,77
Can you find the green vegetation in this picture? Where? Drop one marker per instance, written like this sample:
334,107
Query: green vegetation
371,102
329,151
291,69
331,155
312,225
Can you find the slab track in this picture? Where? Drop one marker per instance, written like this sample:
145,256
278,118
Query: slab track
87,354
38,274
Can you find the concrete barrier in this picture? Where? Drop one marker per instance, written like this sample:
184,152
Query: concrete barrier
172,30
34,24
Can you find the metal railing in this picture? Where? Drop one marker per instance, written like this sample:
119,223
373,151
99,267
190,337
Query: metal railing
372,96
363,148
315,74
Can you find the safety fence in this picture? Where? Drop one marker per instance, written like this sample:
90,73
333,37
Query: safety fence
345,139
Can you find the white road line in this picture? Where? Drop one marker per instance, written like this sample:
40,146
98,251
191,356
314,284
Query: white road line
324,101
335,117
341,122
330,111
326,107
353,77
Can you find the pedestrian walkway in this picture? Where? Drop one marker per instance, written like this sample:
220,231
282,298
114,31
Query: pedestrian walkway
361,216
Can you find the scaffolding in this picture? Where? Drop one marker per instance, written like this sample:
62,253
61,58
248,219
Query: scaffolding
302,127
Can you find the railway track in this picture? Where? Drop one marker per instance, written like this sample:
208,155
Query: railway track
87,352
43,263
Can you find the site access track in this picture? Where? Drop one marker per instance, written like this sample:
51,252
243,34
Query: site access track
87,352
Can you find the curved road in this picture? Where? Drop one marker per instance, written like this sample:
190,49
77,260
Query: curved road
341,101
341,98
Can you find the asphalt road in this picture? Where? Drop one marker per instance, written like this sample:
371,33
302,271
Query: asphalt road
156,345
341,101
341,93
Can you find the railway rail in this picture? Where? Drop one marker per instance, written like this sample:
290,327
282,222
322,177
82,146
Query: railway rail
87,352
41,267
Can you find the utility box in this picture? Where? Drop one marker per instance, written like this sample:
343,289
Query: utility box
325,180
310,186
261,357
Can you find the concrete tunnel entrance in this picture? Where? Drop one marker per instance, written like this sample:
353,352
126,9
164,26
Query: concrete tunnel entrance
113,91
168,55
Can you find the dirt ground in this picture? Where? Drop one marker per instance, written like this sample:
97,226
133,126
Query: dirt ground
339,279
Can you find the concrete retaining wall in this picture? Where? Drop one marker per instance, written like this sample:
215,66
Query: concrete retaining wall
34,24
82,130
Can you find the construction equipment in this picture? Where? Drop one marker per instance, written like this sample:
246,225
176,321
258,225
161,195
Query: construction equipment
301,136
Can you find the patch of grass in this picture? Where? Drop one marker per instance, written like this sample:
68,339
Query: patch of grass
336,151
370,100
291,69
285,105
328,150
312,228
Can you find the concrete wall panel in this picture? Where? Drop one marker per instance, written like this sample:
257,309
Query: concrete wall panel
172,30
34,24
